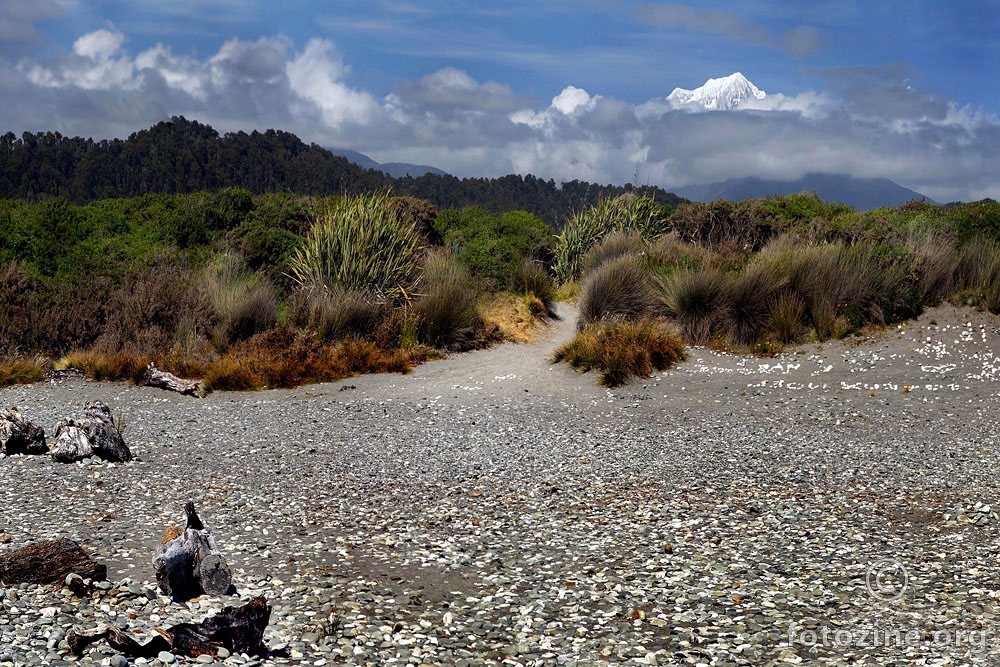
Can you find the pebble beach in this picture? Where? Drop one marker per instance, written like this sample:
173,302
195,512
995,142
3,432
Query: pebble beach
834,505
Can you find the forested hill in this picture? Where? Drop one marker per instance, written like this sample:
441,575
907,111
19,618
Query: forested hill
181,156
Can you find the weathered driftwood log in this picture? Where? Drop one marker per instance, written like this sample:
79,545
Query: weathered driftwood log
189,564
237,629
48,563
163,380
95,434
20,436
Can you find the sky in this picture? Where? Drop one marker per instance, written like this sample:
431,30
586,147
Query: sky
562,89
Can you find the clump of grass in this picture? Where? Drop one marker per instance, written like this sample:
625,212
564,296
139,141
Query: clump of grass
935,263
447,310
336,314
619,289
618,244
22,371
111,367
670,252
360,244
626,213
693,298
786,317
534,282
749,295
619,351
245,303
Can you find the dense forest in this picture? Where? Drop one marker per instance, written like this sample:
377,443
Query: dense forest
180,156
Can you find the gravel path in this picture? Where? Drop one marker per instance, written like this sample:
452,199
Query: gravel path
833,505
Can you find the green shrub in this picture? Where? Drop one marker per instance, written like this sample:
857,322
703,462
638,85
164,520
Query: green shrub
447,308
492,246
626,213
619,289
620,351
361,245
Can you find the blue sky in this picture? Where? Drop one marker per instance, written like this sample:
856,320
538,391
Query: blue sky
560,89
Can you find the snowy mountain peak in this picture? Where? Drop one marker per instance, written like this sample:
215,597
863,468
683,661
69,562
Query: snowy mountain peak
729,92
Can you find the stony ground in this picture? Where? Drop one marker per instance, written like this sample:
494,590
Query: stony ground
833,505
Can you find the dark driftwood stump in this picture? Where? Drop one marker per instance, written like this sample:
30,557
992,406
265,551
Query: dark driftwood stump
163,380
238,629
20,436
190,564
95,434
49,563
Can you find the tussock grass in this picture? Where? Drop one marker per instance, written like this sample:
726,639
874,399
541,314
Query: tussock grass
536,283
336,314
618,244
693,298
447,310
245,304
22,371
360,244
619,289
620,351
100,366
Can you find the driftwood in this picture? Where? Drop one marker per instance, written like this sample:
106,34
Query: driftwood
163,380
49,563
95,434
237,629
20,436
189,563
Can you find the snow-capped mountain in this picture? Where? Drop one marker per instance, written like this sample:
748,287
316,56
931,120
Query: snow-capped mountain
718,94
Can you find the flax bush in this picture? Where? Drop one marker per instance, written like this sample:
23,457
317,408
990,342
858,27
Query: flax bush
360,244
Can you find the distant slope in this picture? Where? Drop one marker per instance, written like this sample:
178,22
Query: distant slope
858,193
394,169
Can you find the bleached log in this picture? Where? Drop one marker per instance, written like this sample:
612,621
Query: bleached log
164,380
20,436
95,433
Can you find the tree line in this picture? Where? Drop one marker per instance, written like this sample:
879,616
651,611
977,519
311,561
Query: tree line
182,156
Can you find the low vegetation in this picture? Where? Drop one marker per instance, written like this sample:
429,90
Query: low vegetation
246,291
758,275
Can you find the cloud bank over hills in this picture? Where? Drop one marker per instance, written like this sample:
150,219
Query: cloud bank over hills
869,123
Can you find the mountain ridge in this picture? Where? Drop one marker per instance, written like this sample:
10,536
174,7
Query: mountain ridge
859,193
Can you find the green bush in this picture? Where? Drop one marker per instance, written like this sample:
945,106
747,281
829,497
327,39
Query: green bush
492,247
360,244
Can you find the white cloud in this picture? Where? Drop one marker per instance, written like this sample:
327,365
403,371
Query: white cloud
316,77
868,125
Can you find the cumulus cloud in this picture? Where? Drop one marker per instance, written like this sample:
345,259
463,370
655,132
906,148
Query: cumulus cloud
870,122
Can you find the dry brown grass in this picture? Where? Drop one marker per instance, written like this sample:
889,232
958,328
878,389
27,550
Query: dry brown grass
22,371
620,351
511,314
